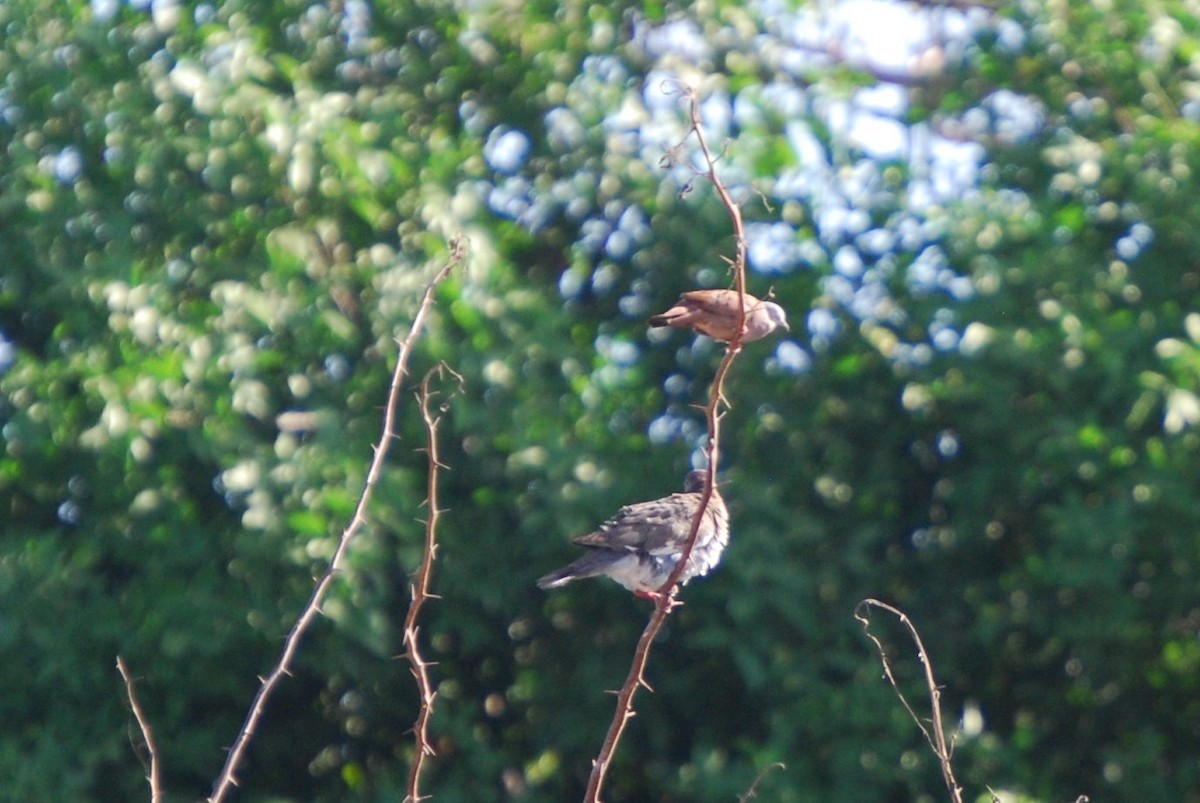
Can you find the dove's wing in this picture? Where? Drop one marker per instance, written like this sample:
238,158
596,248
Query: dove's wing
711,302
719,302
655,527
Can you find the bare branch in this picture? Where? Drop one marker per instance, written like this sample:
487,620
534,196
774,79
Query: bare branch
937,740
666,600
154,779
227,778
420,588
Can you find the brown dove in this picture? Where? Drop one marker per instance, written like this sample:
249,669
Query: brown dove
715,313
640,546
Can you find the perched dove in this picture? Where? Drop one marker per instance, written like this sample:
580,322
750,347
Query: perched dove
640,546
715,313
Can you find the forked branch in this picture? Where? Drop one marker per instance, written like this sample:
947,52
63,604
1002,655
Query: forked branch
228,777
153,778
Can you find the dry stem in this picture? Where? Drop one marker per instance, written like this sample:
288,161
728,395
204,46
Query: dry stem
227,778
665,602
937,739
153,778
420,589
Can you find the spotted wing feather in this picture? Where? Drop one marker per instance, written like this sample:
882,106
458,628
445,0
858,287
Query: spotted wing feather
661,525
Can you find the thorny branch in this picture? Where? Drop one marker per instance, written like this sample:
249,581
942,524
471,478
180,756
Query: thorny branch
937,739
153,778
227,779
666,601
420,587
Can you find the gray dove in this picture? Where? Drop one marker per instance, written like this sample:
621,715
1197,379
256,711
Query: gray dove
715,313
640,545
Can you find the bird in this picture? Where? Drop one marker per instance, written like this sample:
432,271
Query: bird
641,544
715,313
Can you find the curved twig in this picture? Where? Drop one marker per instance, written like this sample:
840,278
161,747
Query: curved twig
752,792
937,739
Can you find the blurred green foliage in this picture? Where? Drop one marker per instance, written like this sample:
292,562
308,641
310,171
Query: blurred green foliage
217,219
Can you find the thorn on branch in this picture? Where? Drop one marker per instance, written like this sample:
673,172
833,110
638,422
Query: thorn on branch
420,588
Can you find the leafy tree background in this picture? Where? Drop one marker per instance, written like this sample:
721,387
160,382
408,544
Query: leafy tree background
217,218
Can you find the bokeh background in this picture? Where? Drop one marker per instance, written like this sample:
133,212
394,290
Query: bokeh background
981,215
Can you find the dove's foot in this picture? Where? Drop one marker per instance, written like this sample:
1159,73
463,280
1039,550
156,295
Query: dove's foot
655,596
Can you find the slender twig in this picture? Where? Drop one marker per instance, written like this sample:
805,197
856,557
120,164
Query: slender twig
666,601
154,779
937,739
227,778
752,792
420,588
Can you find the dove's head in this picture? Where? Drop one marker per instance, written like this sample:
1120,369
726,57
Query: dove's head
695,481
765,319
776,315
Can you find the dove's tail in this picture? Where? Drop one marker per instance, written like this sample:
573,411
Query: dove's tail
667,318
556,579
591,564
